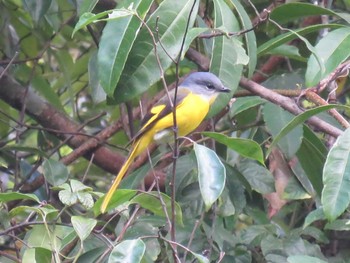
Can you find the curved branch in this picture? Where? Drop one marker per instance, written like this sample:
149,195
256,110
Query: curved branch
13,93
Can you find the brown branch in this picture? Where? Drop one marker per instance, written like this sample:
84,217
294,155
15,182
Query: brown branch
287,104
13,93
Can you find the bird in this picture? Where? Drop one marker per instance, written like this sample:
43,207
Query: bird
194,97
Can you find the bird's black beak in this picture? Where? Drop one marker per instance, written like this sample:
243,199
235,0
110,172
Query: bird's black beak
224,89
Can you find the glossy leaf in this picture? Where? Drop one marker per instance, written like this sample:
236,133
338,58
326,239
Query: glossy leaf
336,178
228,55
83,226
142,69
245,147
211,174
333,49
151,202
114,48
276,119
55,172
128,251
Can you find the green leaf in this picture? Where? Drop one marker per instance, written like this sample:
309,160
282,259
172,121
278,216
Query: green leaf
211,174
151,202
88,18
245,147
260,179
114,48
84,6
119,197
312,156
37,8
286,37
243,104
336,178
67,197
249,37
97,93
293,11
338,225
55,172
304,259
85,199
276,119
313,216
83,226
22,148
78,186
128,251
333,49
141,68
294,191
300,119
288,51
6,197
228,55
37,255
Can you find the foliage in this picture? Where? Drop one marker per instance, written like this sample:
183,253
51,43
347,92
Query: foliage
264,179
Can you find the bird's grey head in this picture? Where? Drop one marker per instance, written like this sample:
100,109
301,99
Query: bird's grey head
204,83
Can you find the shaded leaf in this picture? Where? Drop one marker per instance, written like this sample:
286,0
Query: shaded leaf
260,179
119,197
151,202
55,172
276,119
37,8
313,216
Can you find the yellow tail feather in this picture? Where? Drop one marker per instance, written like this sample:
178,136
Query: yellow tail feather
120,176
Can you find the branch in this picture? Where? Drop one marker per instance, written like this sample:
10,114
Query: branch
49,117
287,104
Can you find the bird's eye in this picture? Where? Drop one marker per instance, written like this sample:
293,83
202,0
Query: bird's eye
210,86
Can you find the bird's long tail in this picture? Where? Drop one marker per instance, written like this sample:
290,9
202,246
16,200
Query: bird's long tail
121,174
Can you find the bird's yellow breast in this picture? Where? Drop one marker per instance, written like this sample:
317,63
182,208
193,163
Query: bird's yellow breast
189,114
